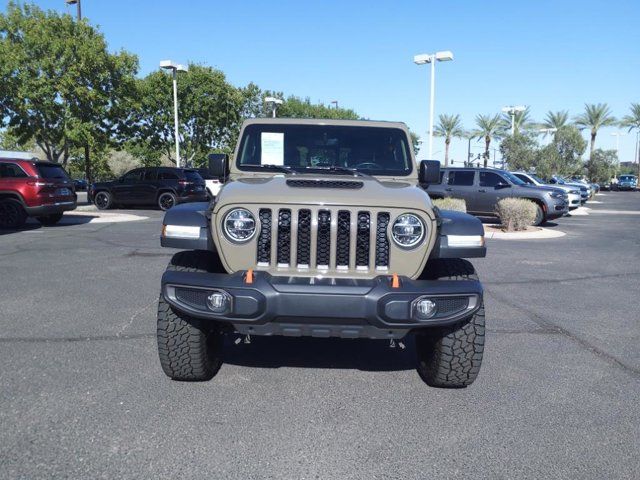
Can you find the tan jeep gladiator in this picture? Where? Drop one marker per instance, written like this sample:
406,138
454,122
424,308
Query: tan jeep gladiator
322,229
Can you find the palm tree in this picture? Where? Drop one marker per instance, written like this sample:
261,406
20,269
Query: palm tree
595,117
555,120
521,121
632,122
449,126
488,127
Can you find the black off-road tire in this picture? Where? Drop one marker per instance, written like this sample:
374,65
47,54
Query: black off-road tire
189,349
49,220
450,357
12,214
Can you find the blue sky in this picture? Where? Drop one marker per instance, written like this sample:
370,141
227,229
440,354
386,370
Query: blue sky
546,54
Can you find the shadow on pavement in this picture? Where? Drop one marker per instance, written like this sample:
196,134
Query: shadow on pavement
305,352
66,221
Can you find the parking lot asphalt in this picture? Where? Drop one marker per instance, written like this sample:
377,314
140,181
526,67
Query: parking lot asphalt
83,395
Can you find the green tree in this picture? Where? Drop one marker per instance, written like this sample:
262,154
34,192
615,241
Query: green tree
595,117
209,108
632,122
602,165
555,120
489,127
519,152
563,156
449,126
60,85
296,107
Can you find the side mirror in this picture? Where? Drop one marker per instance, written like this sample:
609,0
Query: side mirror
219,165
121,179
502,185
429,172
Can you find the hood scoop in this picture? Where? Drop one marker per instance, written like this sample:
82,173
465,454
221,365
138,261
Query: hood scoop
311,183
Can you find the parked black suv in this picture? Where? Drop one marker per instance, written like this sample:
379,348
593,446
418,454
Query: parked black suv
482,188
162,186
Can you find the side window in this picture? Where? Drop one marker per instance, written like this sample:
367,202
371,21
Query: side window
167,175
150,174
11,170
133,176
524,178
461,177
490,179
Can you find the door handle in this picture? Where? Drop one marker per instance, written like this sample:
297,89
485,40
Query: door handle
482,190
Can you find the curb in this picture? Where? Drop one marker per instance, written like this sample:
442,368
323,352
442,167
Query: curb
540,233
81,217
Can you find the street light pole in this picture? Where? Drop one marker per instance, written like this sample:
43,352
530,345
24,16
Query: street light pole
431,58
274,104
79,8
175,68
511,110
618,135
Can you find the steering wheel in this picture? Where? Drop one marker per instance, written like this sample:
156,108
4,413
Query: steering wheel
368,166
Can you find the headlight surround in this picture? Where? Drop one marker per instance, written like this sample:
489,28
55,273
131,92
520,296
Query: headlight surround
239,225
408,230
558,194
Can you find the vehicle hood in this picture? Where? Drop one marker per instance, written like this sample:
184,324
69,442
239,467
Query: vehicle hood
338,190
545,188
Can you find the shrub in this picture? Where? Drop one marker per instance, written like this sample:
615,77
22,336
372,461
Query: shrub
516,213
457,204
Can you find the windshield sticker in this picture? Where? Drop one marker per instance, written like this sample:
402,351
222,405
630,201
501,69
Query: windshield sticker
272,144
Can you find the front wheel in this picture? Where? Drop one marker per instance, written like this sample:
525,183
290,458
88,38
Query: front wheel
539,220
189,349
450,357
103,200
49,220
166,200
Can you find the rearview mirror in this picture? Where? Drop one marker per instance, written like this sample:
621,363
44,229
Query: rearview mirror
429,172
219,165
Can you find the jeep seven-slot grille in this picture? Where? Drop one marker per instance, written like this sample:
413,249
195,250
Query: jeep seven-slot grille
324,239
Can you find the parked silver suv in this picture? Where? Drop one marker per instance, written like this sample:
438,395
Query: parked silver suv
483,188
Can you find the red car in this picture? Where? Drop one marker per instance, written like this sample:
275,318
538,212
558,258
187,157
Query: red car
32,188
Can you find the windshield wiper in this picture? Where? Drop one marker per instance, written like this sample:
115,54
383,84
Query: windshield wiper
279,168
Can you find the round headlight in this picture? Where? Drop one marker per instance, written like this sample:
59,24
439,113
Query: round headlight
239,225
408,230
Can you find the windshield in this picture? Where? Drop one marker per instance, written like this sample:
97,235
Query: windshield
537,179
627,178
51,171
371,150
512,178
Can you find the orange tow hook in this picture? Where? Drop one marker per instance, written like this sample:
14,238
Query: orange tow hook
248,279
395,281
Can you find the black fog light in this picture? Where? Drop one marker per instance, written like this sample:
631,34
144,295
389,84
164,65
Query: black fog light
219,302
424,308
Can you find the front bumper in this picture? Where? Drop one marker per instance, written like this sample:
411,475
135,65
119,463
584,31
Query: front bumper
321,307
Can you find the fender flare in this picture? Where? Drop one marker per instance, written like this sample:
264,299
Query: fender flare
458,225
195,215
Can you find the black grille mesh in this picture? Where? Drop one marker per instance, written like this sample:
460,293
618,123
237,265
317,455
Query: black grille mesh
324,238
264,239
452,305
193,297
284,237
342,239
304,237
362,240
382,241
